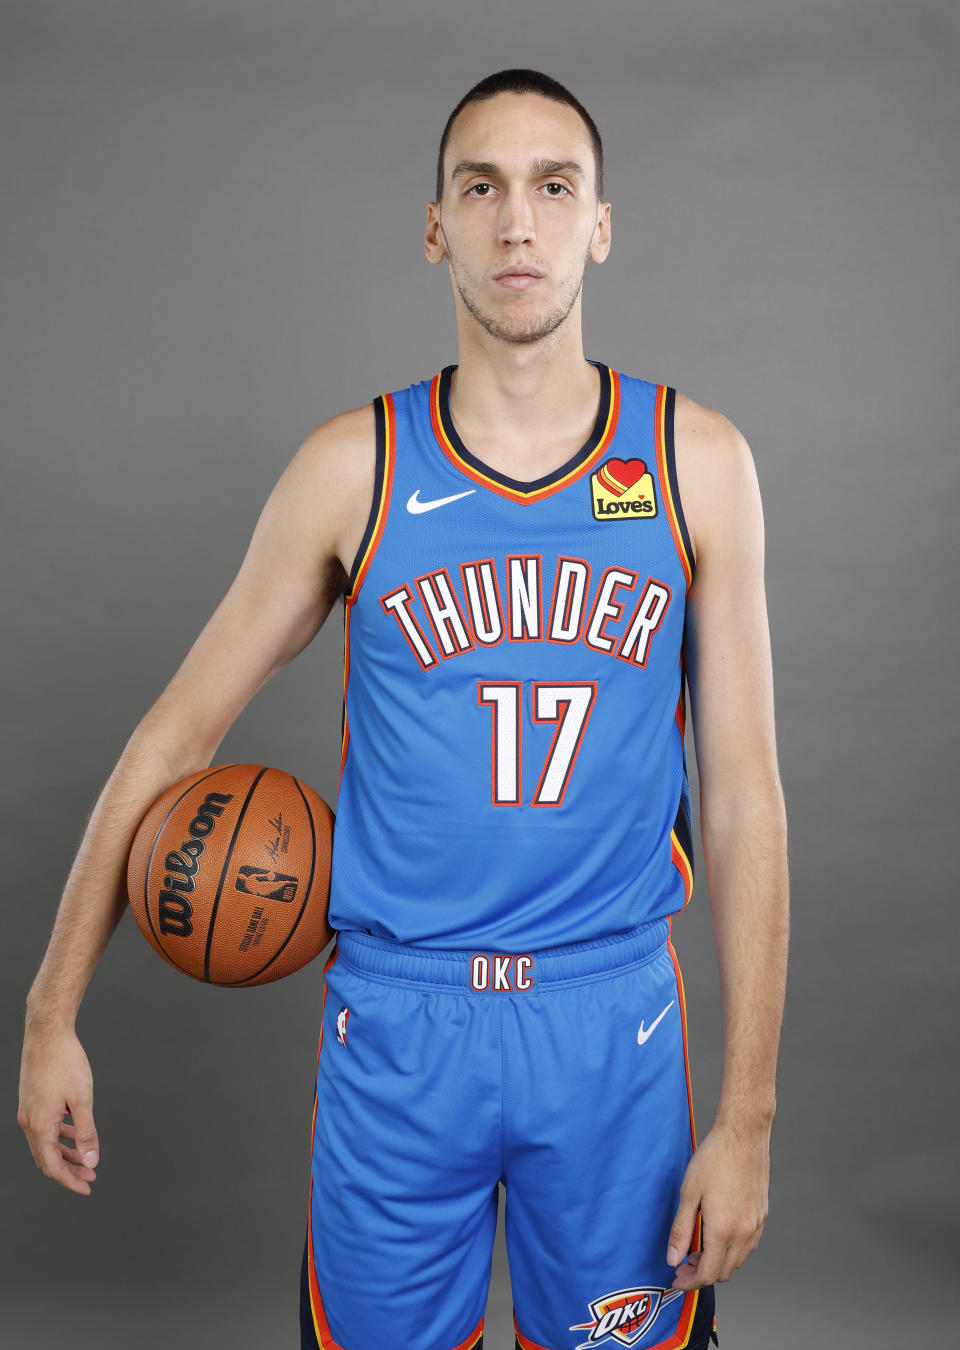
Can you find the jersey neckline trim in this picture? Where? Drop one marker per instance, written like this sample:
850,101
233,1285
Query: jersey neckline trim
604,427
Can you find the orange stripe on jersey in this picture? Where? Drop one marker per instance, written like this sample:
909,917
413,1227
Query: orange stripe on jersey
665,488
386,415
345,737
383,505
682,863
677,850
684,684
681,713
516,494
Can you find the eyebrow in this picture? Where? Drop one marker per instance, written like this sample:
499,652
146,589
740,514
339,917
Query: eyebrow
538,168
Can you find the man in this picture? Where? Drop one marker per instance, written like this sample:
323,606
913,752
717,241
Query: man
534,550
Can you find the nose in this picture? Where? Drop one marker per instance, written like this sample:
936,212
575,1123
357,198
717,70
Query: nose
516,222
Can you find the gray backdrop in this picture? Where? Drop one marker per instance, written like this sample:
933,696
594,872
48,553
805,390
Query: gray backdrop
212,223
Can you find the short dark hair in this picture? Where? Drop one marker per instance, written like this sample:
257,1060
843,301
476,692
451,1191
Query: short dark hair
521,81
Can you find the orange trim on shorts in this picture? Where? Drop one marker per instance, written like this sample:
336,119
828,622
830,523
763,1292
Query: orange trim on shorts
525,1342
321,1329
677,1341
476,1335
683,1022
681,1337
696,1242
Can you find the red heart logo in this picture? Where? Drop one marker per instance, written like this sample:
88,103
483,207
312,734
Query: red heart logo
617,475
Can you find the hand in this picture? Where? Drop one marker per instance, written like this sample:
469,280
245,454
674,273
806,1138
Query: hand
728,1177
55,1078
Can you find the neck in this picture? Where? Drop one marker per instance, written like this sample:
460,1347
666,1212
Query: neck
521,406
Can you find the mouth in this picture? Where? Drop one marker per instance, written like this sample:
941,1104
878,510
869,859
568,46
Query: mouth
518,278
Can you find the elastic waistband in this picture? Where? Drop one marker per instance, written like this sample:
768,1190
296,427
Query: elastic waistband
487,970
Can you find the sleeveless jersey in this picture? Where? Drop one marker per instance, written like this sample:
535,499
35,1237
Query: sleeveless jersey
513,772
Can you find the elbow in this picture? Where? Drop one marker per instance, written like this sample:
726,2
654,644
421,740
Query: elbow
746,805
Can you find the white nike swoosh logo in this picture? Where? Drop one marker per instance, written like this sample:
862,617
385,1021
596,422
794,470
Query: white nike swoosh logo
415,505
642,1035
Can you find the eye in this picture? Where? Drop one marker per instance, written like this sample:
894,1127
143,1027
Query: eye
478,185
562,187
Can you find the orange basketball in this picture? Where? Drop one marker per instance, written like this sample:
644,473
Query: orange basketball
229,874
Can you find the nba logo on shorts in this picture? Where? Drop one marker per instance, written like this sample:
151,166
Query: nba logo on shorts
342,1016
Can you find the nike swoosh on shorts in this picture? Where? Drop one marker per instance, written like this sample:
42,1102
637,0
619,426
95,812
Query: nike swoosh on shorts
642,1035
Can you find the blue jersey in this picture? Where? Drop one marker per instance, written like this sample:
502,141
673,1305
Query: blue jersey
513,772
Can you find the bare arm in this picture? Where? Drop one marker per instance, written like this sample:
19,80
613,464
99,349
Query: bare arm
295,566
744,831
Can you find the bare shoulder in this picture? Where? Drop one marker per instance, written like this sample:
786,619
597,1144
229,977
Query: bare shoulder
345,444
335,468
716,474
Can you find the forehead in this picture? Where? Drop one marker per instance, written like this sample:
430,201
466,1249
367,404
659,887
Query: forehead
512,130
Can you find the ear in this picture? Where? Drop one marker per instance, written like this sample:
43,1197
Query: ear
600,244
433,242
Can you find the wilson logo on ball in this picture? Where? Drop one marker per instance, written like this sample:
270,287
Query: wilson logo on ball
175,909
228,874
622,489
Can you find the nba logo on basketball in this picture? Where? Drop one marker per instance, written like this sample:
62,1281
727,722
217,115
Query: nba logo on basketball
266,884
622,489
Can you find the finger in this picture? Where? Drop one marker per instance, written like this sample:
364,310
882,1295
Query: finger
72,1156
67,1136
681,1230
702,1265
710,1262
53,1165
686,1276
67,1140
85,1132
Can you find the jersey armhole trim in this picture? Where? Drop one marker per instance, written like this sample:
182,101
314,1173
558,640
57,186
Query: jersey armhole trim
385,420
669,485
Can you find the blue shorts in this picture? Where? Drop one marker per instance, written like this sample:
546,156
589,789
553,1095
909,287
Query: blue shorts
561,1075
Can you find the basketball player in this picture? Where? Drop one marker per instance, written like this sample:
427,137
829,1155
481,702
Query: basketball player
535,551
